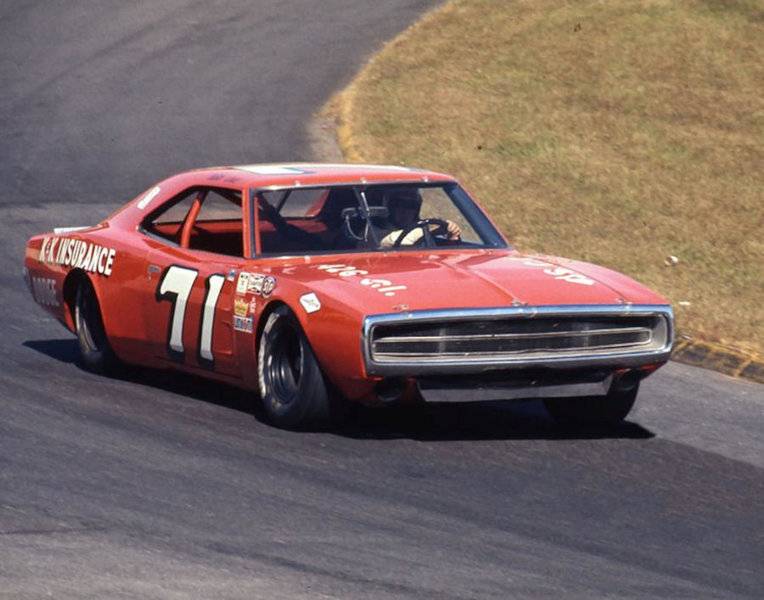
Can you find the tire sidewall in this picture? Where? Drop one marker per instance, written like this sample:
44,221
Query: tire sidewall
89,326
309,405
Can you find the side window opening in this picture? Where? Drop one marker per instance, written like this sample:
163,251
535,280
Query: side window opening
218,226
304,220
168,222
208,219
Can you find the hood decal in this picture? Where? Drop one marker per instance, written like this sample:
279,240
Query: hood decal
556,271
383,286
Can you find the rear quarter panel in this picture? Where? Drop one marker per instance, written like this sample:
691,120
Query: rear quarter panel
46,281
112,260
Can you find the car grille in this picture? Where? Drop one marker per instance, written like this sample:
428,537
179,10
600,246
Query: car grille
522,337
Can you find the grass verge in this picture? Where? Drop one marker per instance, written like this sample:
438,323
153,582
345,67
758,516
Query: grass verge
622,133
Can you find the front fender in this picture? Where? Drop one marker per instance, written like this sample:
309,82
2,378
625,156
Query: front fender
334,332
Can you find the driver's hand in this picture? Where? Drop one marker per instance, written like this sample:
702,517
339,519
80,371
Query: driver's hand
454,231
411,238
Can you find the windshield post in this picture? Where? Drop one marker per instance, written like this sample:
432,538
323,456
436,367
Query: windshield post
254,224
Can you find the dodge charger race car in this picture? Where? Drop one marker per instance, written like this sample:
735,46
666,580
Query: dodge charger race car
318,284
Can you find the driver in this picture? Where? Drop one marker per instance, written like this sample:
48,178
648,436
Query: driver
403,205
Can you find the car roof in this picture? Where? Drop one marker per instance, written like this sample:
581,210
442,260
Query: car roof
275,175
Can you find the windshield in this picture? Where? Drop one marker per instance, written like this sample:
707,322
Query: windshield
371,218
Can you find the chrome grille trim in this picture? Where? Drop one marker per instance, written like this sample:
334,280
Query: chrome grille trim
649,344
492,336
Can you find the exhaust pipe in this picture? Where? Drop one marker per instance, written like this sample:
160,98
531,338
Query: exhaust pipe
390,390
627,381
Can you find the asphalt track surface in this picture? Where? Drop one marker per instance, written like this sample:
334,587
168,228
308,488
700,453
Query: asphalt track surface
160,486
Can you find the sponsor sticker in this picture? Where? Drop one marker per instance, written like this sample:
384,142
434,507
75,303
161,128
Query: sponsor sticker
148,197
255,283
242,284
253,305
240,307
79,254
242,324
310,302
262,285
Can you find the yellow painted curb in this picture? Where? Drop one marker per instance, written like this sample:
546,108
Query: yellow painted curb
730,361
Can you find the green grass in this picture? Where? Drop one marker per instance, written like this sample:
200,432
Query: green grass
617,132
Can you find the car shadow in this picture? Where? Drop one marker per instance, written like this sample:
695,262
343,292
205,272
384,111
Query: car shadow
184,384
495,420
65,351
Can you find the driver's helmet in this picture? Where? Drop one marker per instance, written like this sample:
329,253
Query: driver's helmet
403,205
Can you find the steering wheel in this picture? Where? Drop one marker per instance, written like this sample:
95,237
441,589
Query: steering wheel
424,224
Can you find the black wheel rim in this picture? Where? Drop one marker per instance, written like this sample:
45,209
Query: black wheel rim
284,365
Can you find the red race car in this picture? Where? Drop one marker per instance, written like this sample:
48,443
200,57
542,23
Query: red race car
319,284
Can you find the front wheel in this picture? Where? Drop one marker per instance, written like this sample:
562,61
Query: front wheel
292,387
609,409
95,351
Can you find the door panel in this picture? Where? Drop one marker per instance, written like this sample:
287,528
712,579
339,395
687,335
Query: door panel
189,309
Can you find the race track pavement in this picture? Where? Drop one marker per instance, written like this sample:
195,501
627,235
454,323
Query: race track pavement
163,486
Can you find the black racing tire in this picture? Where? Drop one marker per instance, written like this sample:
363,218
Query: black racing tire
609,409
292,387
95,352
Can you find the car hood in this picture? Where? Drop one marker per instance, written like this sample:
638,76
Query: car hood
412,280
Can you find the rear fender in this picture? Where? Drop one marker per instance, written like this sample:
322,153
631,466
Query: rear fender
73,279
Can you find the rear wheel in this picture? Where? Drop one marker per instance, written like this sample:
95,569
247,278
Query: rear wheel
95,351
292,387
593,410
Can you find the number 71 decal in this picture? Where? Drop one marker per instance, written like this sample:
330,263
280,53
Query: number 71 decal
175,286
